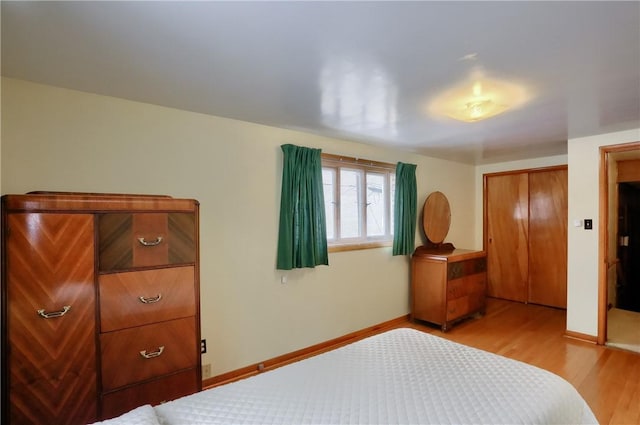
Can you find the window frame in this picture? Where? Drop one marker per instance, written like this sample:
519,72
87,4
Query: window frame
338,162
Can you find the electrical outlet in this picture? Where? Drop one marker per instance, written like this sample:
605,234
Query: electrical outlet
203,346
206,371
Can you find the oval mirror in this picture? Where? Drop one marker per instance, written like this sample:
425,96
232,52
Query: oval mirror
436,217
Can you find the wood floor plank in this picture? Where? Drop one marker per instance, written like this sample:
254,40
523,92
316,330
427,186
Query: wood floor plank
607,378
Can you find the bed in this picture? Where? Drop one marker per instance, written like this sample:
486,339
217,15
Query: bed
402,376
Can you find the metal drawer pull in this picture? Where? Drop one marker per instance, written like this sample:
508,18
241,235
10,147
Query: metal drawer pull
152,354
145,242
150,300
54,313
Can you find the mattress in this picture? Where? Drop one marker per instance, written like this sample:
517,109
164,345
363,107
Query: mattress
402,376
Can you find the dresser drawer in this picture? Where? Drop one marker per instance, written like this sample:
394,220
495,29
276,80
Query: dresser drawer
457,288
477,284
131,299
154,392
136,354
465,295
470,284
129,241
457,307
458,269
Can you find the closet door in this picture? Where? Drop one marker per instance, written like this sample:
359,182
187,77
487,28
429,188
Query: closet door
50,318
507,216
548,238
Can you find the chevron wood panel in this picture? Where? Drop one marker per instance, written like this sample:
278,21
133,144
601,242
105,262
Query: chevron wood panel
171,292
50,260
115,235
122,363
182,231
121,250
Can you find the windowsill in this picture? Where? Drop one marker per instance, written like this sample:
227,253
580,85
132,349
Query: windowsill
358,246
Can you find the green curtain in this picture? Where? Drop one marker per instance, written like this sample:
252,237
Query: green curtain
302,239
405,209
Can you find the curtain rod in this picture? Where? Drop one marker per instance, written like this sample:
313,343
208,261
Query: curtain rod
357,161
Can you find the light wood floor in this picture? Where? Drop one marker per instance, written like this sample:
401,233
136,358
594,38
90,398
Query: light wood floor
607,378
623,329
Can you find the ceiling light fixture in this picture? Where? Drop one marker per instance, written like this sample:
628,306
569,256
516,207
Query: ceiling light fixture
478,99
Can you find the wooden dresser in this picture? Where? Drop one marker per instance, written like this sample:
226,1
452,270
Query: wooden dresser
447,286
100,308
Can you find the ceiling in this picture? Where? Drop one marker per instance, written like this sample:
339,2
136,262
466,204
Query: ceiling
360,71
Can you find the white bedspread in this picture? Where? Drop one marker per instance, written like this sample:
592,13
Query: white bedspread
403,376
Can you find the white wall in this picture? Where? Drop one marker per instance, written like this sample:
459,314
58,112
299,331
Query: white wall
57,139
584,183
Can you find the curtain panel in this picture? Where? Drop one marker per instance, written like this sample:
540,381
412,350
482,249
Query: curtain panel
405,211
302,237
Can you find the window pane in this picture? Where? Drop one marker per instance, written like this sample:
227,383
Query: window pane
350,191
375,204
392,198
329,184
359,200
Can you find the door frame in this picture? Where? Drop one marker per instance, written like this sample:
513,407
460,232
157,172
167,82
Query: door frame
608,154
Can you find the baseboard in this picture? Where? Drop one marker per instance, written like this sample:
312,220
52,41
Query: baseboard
582,337
294,356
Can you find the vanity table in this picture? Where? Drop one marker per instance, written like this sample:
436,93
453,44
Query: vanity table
447,284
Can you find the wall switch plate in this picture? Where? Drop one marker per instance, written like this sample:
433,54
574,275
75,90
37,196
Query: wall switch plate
588,224
203,346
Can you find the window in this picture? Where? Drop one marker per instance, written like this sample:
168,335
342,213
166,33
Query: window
359,200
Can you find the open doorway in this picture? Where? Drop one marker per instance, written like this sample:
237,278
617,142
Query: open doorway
619,319
627,295
623,318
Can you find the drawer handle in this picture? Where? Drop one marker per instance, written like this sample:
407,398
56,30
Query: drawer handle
152,354
60,313
150,300
145,242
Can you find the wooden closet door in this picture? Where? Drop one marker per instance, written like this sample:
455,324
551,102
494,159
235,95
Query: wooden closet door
507,216
50,266
548,238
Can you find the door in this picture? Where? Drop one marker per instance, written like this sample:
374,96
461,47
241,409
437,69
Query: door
51,318
507,216
548,218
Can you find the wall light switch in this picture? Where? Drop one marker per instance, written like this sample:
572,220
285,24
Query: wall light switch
577,222
588,224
